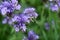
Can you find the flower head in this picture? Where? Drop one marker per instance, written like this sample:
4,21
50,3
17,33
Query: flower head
54,7
9,6
30,12
31,36
19,23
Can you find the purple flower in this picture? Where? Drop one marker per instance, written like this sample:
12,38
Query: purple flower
19,23
9,6
14,1
23,28
16,18
16,28
7,20
4,21
20,26
54,7
31,36
18,7
47,26
25,18
5,4
4,11
21,18
30,12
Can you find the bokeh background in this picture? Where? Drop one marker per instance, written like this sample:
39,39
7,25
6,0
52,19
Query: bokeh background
47,24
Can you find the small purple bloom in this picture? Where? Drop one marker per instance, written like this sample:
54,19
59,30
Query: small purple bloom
5,3
4,21
18,7
4,11
25,18
7,20
16,27
30,12
54,7
23,28
16,18
14,1
47,26
32,35
19,27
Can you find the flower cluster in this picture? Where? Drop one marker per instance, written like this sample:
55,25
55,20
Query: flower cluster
18,21
31,36
7,7
54,5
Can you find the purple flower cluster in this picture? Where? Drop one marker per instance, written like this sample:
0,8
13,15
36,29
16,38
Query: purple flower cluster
54,5
18,21
7,7
31,36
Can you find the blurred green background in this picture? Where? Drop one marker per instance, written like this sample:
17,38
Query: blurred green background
45,15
